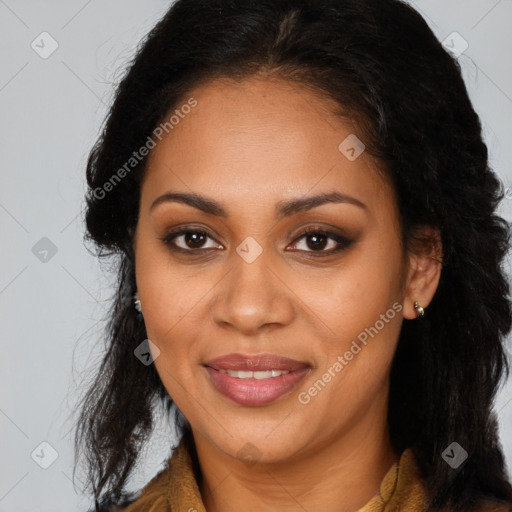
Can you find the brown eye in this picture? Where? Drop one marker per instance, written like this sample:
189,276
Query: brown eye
194,240
189,241
317,241
321,242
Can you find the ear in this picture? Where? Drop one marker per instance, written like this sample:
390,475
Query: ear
424,264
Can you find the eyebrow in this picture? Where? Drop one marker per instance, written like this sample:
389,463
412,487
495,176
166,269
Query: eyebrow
283,208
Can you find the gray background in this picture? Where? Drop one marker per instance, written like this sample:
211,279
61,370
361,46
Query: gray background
52,311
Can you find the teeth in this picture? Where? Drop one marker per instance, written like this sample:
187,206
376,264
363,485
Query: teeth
263,374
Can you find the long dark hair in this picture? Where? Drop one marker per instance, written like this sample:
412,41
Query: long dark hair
382,65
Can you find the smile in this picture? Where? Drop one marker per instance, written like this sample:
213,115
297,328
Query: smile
259,375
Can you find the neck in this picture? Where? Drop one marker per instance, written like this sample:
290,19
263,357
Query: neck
339,474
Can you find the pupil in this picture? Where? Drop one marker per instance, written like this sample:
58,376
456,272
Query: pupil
196,238
318,241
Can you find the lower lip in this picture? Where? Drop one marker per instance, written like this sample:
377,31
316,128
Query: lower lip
253,392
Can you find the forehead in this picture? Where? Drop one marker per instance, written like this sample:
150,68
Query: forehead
263,137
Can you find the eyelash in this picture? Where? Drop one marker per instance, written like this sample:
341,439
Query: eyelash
343,243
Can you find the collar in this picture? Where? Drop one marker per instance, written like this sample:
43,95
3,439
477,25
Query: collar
175,487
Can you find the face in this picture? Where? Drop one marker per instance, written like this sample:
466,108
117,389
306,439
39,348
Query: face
278,251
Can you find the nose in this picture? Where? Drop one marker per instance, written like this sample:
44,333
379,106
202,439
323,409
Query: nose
253,297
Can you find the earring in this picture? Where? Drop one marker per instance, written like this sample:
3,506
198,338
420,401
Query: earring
136,302
419,310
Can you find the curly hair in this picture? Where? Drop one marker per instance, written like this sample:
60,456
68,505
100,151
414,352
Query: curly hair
408,95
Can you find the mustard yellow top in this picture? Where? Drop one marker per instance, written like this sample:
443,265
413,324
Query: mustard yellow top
175,489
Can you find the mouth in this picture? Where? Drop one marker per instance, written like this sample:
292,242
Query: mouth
254,380
259,375
255,363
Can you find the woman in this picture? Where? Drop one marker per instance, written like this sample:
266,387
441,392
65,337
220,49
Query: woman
309,263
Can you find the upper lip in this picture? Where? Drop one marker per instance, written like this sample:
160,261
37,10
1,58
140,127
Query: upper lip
255,362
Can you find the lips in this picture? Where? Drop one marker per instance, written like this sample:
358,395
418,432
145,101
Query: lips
255,380
253,363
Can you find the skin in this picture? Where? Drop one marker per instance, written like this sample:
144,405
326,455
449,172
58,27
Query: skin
250,146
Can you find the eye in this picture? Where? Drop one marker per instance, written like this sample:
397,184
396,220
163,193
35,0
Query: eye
189,240
316,240
312,240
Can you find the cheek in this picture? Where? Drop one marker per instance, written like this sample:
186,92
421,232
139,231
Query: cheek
354,296
361,305
167,290
355,363
167,295
172,316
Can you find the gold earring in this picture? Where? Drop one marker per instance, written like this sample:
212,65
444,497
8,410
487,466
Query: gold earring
419,310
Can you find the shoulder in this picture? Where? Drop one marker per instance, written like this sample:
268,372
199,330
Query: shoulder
485,505
494,506
152,493
109,505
